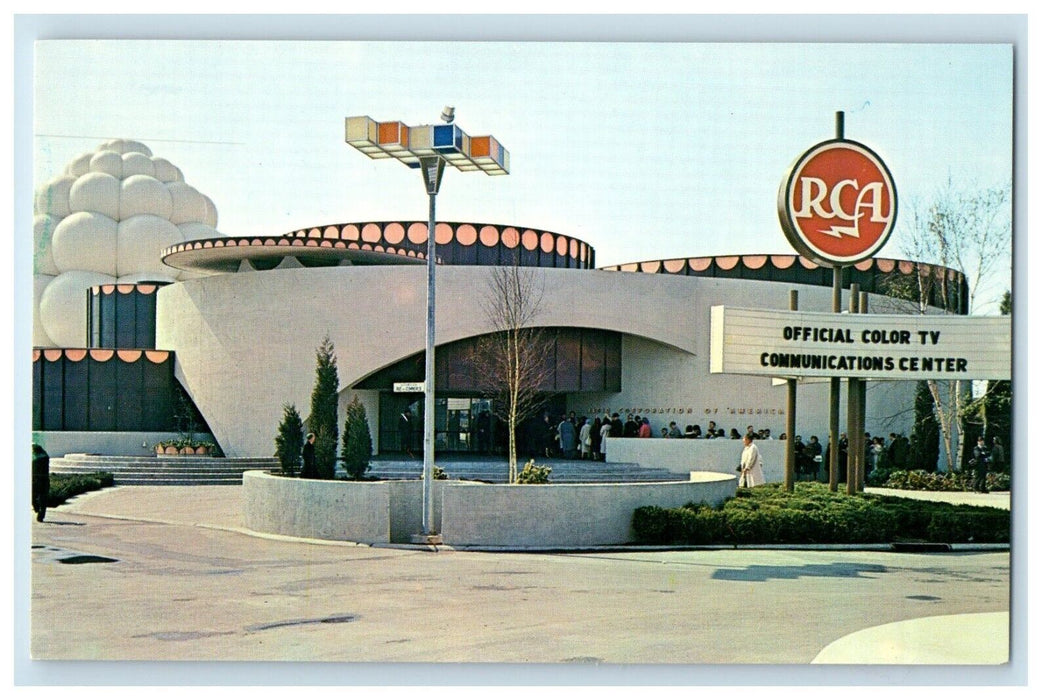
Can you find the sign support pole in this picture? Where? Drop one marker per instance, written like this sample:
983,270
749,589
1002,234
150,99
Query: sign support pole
862,413
835,383
855,434
835,397
792,398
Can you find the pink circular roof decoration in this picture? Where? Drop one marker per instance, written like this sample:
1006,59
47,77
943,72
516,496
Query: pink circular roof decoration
371,233
314,233
905,266
650,266
530,239
674,266
394,233
783,261
864,265
489,235
331,232
351,232
417,232
755,262
727,262
442,235
886,265
511,238
699,264
573,248
466,234
807,264
546,242
562,245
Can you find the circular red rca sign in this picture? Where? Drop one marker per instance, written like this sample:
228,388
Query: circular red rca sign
837,203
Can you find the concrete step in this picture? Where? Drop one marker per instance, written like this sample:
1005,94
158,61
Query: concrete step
160,471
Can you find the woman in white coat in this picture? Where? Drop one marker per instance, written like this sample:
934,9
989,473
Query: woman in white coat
750,464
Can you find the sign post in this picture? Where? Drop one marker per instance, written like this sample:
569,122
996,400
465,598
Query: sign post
837,207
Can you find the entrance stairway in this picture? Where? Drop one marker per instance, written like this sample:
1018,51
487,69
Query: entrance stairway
162,471
184,471
494,470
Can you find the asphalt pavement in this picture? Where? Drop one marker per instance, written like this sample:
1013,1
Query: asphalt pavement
171,573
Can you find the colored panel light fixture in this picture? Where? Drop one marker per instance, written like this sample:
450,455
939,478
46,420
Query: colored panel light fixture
408,144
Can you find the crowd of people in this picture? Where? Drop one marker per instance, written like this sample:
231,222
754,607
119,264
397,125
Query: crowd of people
585,437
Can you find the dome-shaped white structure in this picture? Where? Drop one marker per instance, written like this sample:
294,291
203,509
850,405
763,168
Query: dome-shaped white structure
138,240
40,336
43,255
86,240
107,218
62,307
144,194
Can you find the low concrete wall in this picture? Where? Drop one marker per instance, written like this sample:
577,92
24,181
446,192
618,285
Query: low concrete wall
354,511
59,443
563,515
681,455
469,513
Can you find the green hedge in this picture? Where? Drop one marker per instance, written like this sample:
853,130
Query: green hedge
65,486
812,514
918,480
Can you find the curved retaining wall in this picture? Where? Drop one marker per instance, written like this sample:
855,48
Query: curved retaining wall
470,513
721,455
355,511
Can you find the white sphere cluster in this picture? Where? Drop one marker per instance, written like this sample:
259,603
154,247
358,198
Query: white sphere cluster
105,220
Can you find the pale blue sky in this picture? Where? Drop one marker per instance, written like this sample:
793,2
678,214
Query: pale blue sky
644,150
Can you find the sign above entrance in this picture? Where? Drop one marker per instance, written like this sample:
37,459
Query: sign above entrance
865,346
837,203
409,387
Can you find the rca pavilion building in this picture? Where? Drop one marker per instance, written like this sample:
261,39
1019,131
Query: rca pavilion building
142,305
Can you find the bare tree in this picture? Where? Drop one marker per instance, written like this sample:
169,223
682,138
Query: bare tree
513,363
968,230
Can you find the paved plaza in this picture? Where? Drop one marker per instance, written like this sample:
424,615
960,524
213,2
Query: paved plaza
169,573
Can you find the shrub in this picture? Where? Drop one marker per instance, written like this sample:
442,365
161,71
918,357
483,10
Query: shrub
65,486
950,481
289,440
324,453
651,525
324,409
812,514
533,473
356,440
878,477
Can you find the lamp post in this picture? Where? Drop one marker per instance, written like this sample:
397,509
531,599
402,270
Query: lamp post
429,147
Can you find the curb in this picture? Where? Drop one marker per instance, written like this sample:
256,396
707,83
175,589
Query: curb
922,547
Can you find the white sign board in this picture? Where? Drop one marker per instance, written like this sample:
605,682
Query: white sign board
409,387
865,346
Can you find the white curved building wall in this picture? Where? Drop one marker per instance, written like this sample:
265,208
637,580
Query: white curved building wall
245,342
106,219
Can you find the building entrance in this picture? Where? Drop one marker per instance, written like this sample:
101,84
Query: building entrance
461,424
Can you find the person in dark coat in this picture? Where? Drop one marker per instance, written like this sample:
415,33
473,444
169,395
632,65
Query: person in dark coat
595,438
843,459
309,458
997,462
41,481
981,455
